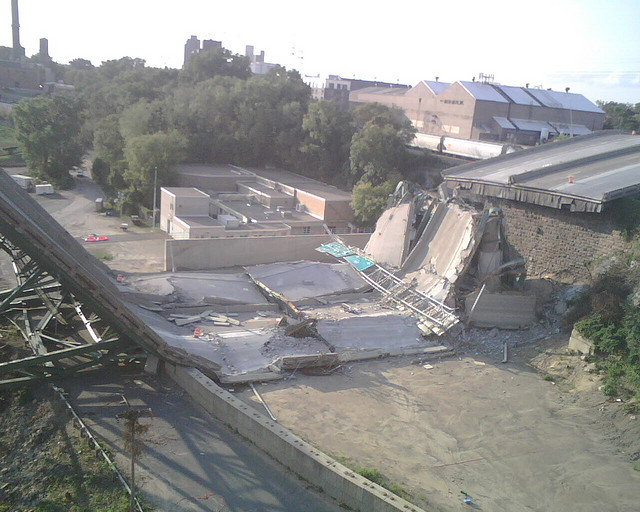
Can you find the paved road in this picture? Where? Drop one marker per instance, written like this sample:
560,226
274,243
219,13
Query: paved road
192,462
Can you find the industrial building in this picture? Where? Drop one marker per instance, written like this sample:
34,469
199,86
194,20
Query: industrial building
230,201
487,111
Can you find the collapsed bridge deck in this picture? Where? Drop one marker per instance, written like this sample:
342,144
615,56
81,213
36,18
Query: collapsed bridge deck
27,226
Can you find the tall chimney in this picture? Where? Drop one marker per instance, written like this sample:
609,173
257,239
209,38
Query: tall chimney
44,51
18,51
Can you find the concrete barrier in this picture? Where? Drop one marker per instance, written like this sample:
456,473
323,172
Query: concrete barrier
333,478
212,253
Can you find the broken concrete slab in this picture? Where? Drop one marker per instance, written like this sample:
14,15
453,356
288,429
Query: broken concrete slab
151,364
307,361
443,251
199,287
389,243
502,310
580,344
306,279
383,331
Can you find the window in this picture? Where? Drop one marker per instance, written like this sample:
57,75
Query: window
306,230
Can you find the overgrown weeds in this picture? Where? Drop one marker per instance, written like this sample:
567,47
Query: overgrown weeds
609,314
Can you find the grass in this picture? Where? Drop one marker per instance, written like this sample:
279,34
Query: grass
375,476
45,462
102,255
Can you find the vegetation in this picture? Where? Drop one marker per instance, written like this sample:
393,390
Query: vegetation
46,464
138,119
369,201
620,116
48,129
609,314
375,476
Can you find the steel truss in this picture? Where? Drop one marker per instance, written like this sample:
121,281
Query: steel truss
434,316
63,337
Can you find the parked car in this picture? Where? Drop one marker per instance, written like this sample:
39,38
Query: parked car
95,238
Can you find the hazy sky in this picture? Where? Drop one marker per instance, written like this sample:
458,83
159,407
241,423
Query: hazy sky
592,46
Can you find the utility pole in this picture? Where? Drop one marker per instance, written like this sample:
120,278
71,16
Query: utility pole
567,89
155,185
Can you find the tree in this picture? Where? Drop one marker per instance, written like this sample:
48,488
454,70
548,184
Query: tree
48,130
215,62
378,148
376,153
620,116
268,111
328,132
145,154
109,164
369,201
142,118
382,115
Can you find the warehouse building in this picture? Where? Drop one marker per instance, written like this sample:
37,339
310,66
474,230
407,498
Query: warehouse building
482,110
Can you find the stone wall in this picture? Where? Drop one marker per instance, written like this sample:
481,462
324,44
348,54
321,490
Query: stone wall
558,243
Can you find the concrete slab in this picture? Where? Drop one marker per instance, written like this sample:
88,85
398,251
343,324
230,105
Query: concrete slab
443,251
305,279
389,243
580,344
384,331
212,288
502,310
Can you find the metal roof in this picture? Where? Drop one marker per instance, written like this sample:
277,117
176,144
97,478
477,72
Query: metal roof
584,172
436,87
518,95
504,123
564,100
483,92
567,129
532,125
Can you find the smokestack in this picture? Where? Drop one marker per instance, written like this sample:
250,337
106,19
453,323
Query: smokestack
18,51
44,50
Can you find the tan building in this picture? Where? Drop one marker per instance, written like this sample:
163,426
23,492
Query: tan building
487,111
230,201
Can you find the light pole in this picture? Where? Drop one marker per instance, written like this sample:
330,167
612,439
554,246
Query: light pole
570,112
155,184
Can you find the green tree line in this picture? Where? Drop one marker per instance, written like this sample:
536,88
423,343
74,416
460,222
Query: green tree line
137,119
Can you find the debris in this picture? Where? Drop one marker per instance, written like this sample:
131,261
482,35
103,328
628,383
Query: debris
259,396
427,366
185,321
350,309
304,329
151,308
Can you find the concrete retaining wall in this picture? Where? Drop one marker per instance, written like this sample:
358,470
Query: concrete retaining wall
335,479
209,254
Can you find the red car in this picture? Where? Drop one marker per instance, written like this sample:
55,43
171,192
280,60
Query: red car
95,238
